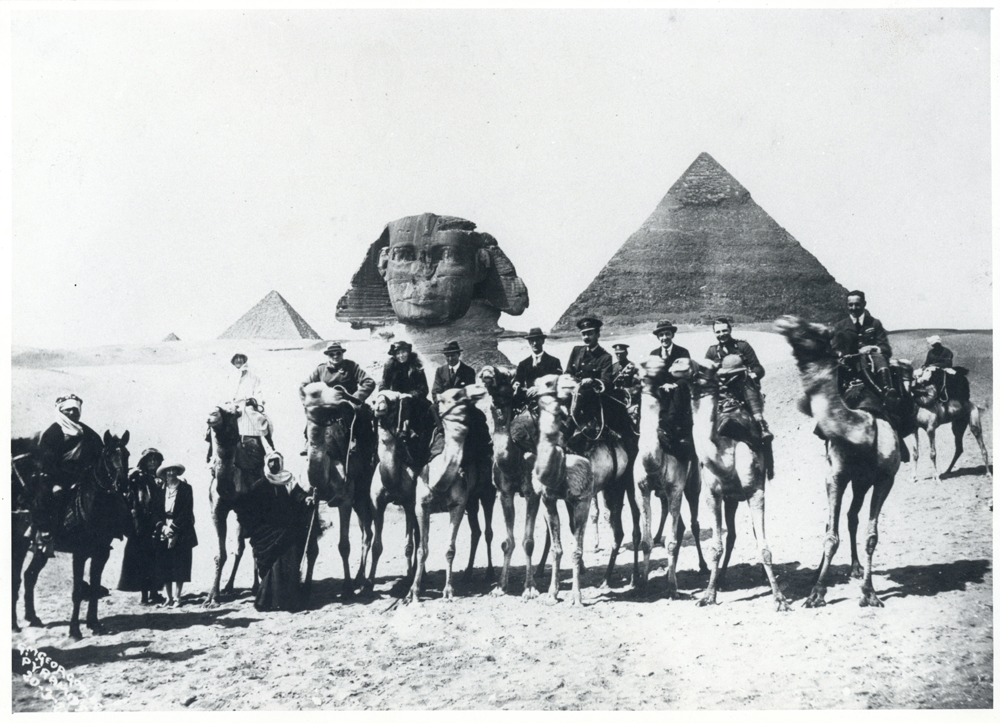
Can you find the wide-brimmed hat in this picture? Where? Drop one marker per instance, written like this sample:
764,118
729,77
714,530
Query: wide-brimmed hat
400,346
663,326
620,347
282,476
535,333
934,339
164,467
147,453
589,323
333,346
238,355
731,364
451,347
68,401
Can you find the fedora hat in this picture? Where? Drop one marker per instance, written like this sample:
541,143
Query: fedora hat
663,326
731,364
588,323
451,347
333,346
164,467
535,333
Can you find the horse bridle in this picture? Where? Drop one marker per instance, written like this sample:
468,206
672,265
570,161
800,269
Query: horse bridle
110,470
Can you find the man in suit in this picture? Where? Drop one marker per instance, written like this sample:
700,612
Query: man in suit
345,373
539,364
862,333
676,419
456,374
752,370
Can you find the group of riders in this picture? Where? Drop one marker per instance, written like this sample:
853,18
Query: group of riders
869,379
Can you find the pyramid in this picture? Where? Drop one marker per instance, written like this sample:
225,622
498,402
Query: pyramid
708,250
171,337
271,318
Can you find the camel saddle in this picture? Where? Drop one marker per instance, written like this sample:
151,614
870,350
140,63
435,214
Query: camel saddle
859,391
952,386
605,420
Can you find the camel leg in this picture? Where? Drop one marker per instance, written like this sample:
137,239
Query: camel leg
595,522
552,523
475,532
241,546
79,561
19,550
456,515
578,511
692,491
715,553
730,506
97,563
312,552
857,500
489,500
676,537
531,515
633,507
507,504
976,425
932,446
836,484
916,452
756,502
646,523
30,578
614,500
664,511
880,492
345,549
424,524
219,520
412,541
958,428
365,511
381,502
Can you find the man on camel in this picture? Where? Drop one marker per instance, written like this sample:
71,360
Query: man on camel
748,378
456,374
626,383
340,372
253,424
539,364
675,410
862,333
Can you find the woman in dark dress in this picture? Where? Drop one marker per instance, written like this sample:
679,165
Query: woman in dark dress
175,523
139,562
404,373
276,515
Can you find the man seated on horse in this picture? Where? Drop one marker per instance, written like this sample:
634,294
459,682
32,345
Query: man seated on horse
346,374
404,373
252,423
676,420
591,365
862,334
749,377
626,384
456,374
539,364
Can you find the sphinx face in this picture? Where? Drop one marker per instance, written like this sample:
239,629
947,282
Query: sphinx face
431,275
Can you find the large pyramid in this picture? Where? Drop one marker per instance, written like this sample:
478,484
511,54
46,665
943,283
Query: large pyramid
271,318
708,250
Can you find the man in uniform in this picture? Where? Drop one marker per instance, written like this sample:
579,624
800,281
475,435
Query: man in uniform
338,371
862,333
539,364
625,381
590,360
726,345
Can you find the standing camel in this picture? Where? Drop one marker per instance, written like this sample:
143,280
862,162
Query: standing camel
672,474
861,450
515,438
560,475
933,412
342,456
731,469
449,478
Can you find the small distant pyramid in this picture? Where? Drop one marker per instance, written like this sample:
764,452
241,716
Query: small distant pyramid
171,337
708,250
271,318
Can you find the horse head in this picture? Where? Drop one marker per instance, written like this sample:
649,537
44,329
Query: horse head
112,470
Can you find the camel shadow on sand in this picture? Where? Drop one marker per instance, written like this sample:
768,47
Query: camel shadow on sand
980,471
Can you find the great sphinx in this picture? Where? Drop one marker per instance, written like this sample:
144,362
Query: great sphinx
431,278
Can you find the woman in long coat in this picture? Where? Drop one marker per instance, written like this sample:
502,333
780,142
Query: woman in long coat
139,561
177,533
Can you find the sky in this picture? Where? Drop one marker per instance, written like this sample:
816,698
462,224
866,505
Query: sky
172,166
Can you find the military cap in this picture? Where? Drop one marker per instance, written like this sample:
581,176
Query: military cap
589,322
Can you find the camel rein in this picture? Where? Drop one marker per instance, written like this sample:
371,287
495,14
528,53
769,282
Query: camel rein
580,428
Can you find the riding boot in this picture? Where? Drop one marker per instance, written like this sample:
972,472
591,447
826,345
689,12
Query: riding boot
885,381
765,433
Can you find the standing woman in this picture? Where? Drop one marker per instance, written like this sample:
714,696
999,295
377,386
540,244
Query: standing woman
144,500
178,537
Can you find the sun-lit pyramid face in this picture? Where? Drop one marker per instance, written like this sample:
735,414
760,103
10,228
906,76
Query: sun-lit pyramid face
431,273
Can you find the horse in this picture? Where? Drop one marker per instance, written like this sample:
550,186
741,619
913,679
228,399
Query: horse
342,456
96,503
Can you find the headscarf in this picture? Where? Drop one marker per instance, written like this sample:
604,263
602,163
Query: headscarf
282,477
63,405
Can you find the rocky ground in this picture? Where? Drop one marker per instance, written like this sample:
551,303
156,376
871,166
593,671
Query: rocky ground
931,646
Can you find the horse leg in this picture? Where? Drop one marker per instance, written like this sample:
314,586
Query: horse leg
880,491
475,532
730,511
692,491
958,428
219,519
345,549
30,578
756,503
456,513
715,552
507,505
424,524
664,511
836,484
552,523
79,560
531,515
857,501
97,563
381,502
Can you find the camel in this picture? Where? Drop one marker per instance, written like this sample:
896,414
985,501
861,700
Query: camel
560,475
731,470
514,442
670,475
449,479
861,450
230,484
932,412
342,455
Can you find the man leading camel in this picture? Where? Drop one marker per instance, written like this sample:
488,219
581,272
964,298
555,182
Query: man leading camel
750,385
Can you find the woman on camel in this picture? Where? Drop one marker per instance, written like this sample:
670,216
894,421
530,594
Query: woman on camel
277,520
404,373
139,561
175,524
